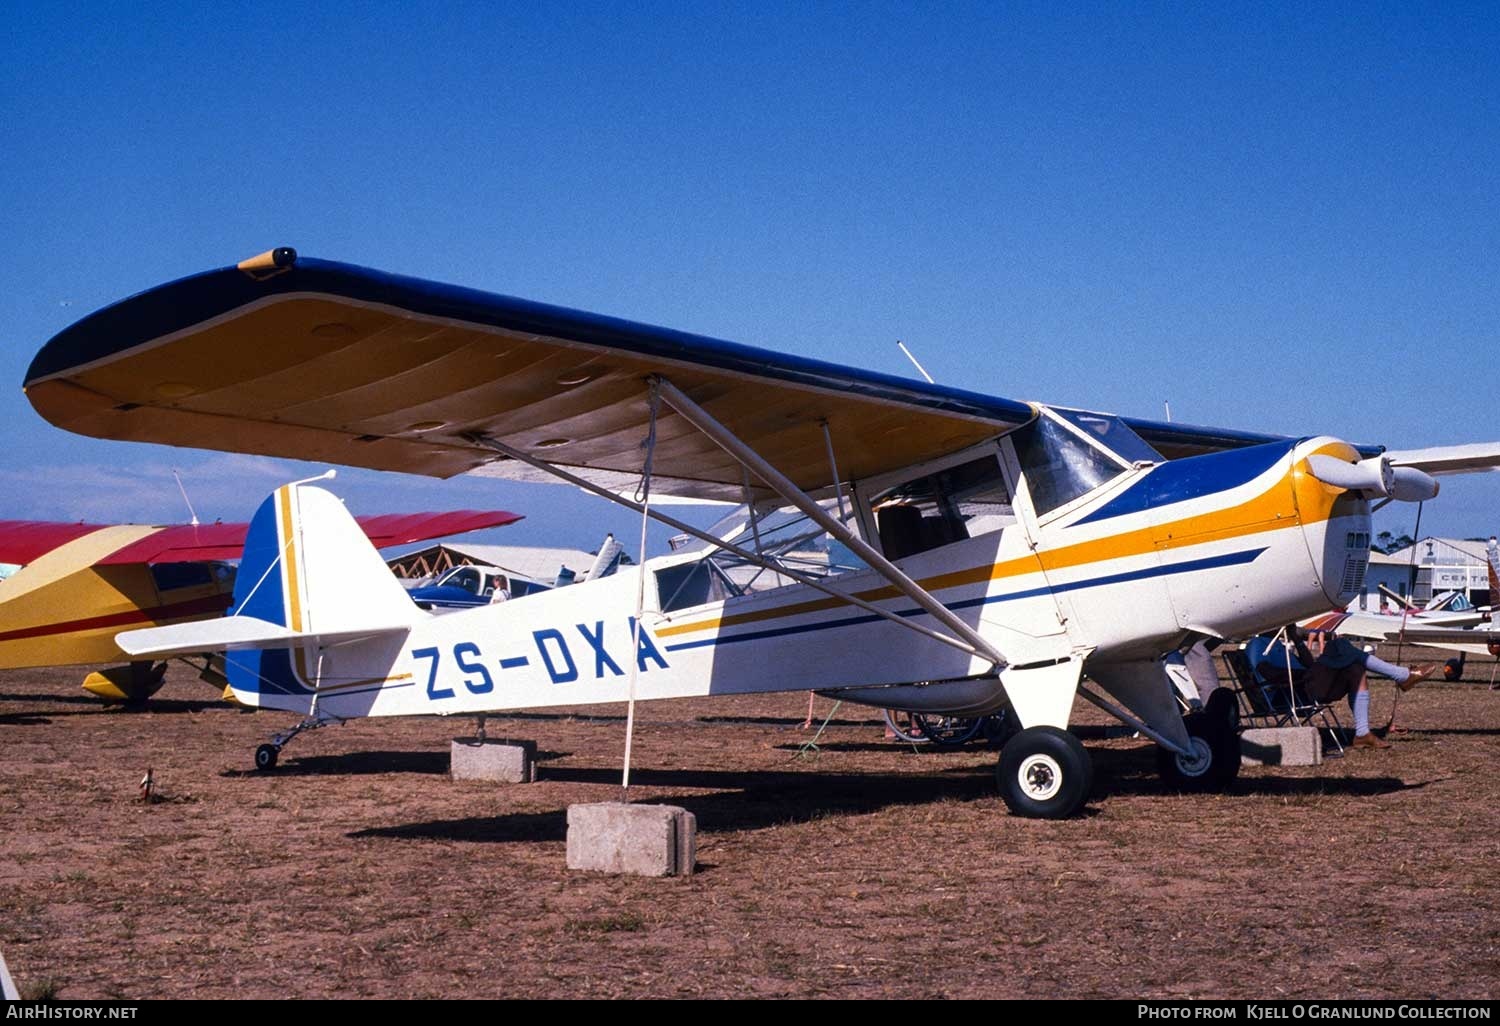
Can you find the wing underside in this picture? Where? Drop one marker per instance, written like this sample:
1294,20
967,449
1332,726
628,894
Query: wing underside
335,363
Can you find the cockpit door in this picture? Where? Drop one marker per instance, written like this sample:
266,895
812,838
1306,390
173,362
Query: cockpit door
1103,572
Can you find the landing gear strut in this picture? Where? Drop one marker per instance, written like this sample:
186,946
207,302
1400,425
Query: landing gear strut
266,754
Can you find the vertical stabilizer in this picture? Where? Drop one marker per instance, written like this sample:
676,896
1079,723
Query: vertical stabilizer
308,567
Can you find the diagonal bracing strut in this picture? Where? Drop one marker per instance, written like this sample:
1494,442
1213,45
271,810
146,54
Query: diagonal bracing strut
750,557
783,485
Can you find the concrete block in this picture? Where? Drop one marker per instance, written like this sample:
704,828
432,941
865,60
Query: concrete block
1281,746
644,840
505,762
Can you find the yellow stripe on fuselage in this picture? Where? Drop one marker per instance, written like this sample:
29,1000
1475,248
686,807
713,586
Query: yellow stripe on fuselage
1273,509
360,683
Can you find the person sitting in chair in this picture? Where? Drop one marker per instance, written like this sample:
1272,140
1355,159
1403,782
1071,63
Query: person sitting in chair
1336,668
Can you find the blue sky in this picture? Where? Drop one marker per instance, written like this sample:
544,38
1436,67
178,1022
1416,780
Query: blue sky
1276,218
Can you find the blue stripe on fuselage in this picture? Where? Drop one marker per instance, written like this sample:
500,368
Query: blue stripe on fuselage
1191,478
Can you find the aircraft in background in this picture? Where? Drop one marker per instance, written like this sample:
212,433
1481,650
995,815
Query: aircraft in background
472,584
79,584
1448,622
902,544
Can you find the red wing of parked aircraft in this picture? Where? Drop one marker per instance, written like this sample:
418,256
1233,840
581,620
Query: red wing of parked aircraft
81,583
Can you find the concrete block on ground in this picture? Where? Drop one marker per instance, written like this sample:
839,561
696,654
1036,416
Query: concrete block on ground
643,840
505,762
1281,746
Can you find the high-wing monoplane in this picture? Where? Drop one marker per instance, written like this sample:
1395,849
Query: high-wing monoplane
903,544
80,584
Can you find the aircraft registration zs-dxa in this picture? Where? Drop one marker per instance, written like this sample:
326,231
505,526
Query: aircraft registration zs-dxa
900,544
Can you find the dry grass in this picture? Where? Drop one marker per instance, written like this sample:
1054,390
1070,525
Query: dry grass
863,869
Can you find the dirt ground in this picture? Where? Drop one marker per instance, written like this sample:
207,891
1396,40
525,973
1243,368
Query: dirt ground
863,868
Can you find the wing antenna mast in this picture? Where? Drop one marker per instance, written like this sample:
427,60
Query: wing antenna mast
920,369
191,511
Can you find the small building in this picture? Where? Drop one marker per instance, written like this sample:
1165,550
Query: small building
1430,567
1395,574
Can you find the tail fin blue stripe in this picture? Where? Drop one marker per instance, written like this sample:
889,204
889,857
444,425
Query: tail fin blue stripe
259,592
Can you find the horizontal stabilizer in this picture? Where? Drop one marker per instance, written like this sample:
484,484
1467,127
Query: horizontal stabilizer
234,632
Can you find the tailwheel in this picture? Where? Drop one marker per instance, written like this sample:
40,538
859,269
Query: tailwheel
1213,762
1045,773
265,757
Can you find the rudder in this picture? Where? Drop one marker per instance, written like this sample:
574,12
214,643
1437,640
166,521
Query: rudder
307,566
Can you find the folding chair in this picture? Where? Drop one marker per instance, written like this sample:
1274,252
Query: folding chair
1270,692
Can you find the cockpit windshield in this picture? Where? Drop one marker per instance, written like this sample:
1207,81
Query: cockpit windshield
1061,464
1113,433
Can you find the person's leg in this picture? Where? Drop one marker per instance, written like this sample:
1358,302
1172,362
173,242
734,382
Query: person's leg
1405,679
1359,701
1375,664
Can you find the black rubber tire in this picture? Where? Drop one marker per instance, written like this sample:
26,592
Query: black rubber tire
265,757
1217,764
948,731
1222,707
1045,773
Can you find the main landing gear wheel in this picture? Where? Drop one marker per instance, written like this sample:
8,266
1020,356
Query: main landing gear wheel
265,757
1045,773
1214,762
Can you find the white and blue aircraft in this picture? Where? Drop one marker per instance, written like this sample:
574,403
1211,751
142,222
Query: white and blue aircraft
901,544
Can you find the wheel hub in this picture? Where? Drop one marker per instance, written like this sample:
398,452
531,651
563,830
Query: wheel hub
1197,763
1041,777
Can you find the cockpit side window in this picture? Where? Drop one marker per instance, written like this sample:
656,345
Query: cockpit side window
943,507
1059,466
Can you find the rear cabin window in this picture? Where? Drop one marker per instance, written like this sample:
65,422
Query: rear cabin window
785,536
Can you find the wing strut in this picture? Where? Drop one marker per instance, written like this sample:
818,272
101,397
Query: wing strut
726,440
755,558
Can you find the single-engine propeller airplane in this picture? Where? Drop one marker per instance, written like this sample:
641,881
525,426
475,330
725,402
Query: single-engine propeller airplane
920,547
80,584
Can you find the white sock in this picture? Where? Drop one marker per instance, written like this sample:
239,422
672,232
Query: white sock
1361,701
